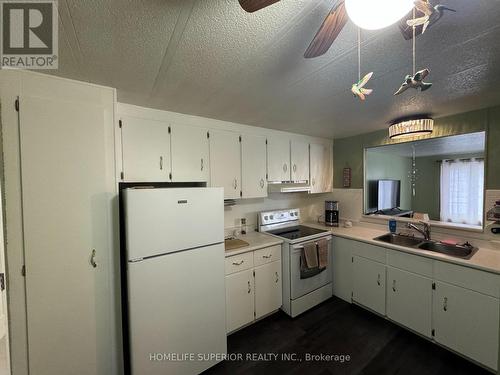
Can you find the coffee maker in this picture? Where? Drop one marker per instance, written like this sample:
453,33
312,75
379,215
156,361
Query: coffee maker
332,213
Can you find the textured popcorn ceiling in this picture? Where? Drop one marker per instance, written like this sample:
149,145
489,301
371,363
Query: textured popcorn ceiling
210,58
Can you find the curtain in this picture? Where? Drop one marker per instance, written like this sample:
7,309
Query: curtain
462,184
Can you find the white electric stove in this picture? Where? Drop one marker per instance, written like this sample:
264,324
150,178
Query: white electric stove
302,288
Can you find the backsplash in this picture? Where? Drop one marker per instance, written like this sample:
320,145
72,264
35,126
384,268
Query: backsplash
311,206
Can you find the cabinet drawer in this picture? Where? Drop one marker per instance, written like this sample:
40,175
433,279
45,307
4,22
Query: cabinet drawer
266,255
408,262
239,262
469,278
366,250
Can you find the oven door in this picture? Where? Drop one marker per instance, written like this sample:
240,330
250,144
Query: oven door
302,283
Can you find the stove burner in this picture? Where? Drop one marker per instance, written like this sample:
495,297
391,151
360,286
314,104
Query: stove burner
293,233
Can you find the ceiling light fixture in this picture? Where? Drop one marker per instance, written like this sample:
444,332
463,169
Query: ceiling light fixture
411,127
374,15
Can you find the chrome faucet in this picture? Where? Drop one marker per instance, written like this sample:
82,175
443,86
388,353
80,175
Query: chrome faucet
425,231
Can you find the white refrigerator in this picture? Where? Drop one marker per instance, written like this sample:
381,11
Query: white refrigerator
175,279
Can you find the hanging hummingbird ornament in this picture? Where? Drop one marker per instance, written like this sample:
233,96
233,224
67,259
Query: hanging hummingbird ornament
431,14
358,89
415,81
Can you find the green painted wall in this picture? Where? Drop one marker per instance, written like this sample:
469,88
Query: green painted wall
386,166
348,152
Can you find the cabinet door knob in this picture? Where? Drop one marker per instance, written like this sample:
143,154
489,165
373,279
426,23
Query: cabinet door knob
93,263
238,263
161,163
249,288
295,168
313,181
235,183
262,183
267,256
393,285
277,277
202,164
285,167
445,304
378,280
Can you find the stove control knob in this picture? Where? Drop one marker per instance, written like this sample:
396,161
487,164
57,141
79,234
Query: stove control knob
272,217
266,217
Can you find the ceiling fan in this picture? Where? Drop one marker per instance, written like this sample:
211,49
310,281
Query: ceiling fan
331,26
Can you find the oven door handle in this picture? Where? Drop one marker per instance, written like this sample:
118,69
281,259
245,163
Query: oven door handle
300,247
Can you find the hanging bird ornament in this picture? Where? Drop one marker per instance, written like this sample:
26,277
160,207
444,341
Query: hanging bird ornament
358,89
431,14
415,82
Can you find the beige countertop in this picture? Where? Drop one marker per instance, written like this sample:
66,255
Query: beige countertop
486,259
255,241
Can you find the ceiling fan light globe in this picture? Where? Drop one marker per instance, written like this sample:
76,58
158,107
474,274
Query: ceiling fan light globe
374,15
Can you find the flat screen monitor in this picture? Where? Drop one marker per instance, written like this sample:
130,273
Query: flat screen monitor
388,194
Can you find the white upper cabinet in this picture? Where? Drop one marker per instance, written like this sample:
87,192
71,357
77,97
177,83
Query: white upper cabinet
253,166
278,159
190,161
299,161
225,162
146,150
321,168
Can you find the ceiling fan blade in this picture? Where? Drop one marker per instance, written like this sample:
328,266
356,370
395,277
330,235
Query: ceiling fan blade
328,32
254,5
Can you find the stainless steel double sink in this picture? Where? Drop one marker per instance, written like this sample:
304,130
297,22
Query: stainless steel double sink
465,251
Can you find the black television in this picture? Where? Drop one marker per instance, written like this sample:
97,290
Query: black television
384,194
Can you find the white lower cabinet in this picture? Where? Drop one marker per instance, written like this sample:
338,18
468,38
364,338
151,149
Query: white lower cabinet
253,286
368,287
455,306
267,288
409,300
342,268
467,322
240,296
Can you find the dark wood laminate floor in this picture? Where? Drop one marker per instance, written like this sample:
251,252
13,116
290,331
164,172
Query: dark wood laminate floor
375,346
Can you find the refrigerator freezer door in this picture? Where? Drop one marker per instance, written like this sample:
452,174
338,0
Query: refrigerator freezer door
160,221
177,307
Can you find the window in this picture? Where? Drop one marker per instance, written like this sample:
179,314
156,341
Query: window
462,184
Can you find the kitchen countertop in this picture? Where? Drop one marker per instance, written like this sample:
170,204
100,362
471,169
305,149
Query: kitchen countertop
484,259
256,241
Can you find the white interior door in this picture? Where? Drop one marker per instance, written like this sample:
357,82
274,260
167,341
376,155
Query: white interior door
67,177
253,166
278,159
190,154
225,162
299,152
146,150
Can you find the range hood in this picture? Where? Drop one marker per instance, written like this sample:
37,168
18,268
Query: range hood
289,187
